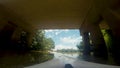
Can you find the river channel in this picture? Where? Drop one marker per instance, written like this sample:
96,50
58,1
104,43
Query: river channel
26,60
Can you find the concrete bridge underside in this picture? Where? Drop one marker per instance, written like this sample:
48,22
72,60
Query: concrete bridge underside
90,16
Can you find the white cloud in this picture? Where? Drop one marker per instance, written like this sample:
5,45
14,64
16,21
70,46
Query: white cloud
63,42
68,42
65,30
49,36
50,30
56,31
71,40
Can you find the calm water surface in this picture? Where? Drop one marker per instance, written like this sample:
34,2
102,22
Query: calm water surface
10,60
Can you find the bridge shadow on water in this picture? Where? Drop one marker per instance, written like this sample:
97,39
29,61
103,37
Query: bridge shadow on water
13,60
21,60
109,61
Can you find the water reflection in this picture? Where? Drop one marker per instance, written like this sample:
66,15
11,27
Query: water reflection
10,60
91,58
71,57
13,60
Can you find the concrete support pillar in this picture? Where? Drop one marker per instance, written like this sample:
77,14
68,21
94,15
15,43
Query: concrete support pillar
113,20
100,49
5,35
86,41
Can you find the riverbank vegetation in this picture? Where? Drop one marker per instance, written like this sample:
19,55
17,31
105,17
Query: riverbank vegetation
67,50
42,43
39,43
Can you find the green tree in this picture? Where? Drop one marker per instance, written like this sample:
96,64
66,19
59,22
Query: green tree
48,43
80,46
37,40
40,42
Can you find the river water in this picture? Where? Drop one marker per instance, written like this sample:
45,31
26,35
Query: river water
21,60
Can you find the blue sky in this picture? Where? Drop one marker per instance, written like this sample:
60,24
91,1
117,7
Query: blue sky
64,38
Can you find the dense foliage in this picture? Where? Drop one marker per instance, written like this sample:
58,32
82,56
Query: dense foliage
80,46
40,42
107,34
